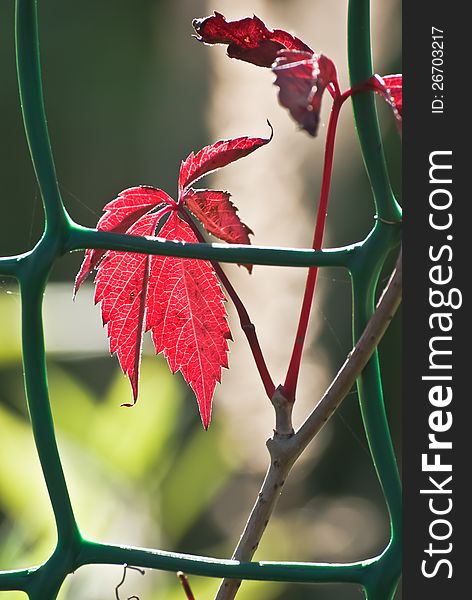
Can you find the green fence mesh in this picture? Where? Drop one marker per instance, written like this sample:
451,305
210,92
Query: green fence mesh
378,576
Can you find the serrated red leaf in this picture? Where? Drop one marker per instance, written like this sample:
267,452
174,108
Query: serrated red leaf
248,39
131,201
121,287
120,214
302,78
218,215
213,157
187,317
390,88
179,300
216,212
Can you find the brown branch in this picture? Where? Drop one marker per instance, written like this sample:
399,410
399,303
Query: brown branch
285,446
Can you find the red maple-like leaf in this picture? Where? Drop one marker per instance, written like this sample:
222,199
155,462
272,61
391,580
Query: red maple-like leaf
301,74
248,39
391,89
179,300
302,78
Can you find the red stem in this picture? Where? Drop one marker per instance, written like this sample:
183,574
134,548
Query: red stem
246,324
291,379
186,586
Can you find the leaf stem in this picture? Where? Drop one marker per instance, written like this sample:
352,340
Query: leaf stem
247,326
185,585
291,379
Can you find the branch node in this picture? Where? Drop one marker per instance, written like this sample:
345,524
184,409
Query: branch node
283,414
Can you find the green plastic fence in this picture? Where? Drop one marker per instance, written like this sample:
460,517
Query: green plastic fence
378,576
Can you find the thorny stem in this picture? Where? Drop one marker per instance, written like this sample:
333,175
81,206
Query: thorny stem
285,448
247,326
291,378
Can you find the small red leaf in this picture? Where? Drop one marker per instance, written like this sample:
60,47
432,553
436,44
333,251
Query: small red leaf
218,215
214,157
187,317
390,87
248,39
302,78
120,214
121,287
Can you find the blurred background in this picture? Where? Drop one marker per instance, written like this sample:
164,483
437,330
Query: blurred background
129,93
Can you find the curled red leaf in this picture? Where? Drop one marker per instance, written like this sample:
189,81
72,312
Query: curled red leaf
301,75
302,78
248,39
213,157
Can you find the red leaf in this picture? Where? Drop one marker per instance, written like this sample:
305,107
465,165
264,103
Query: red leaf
248,39
301,75
120,214
187,318
121,286
214,157
131,201
179,300
302,78
91,259
218,215
390,87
